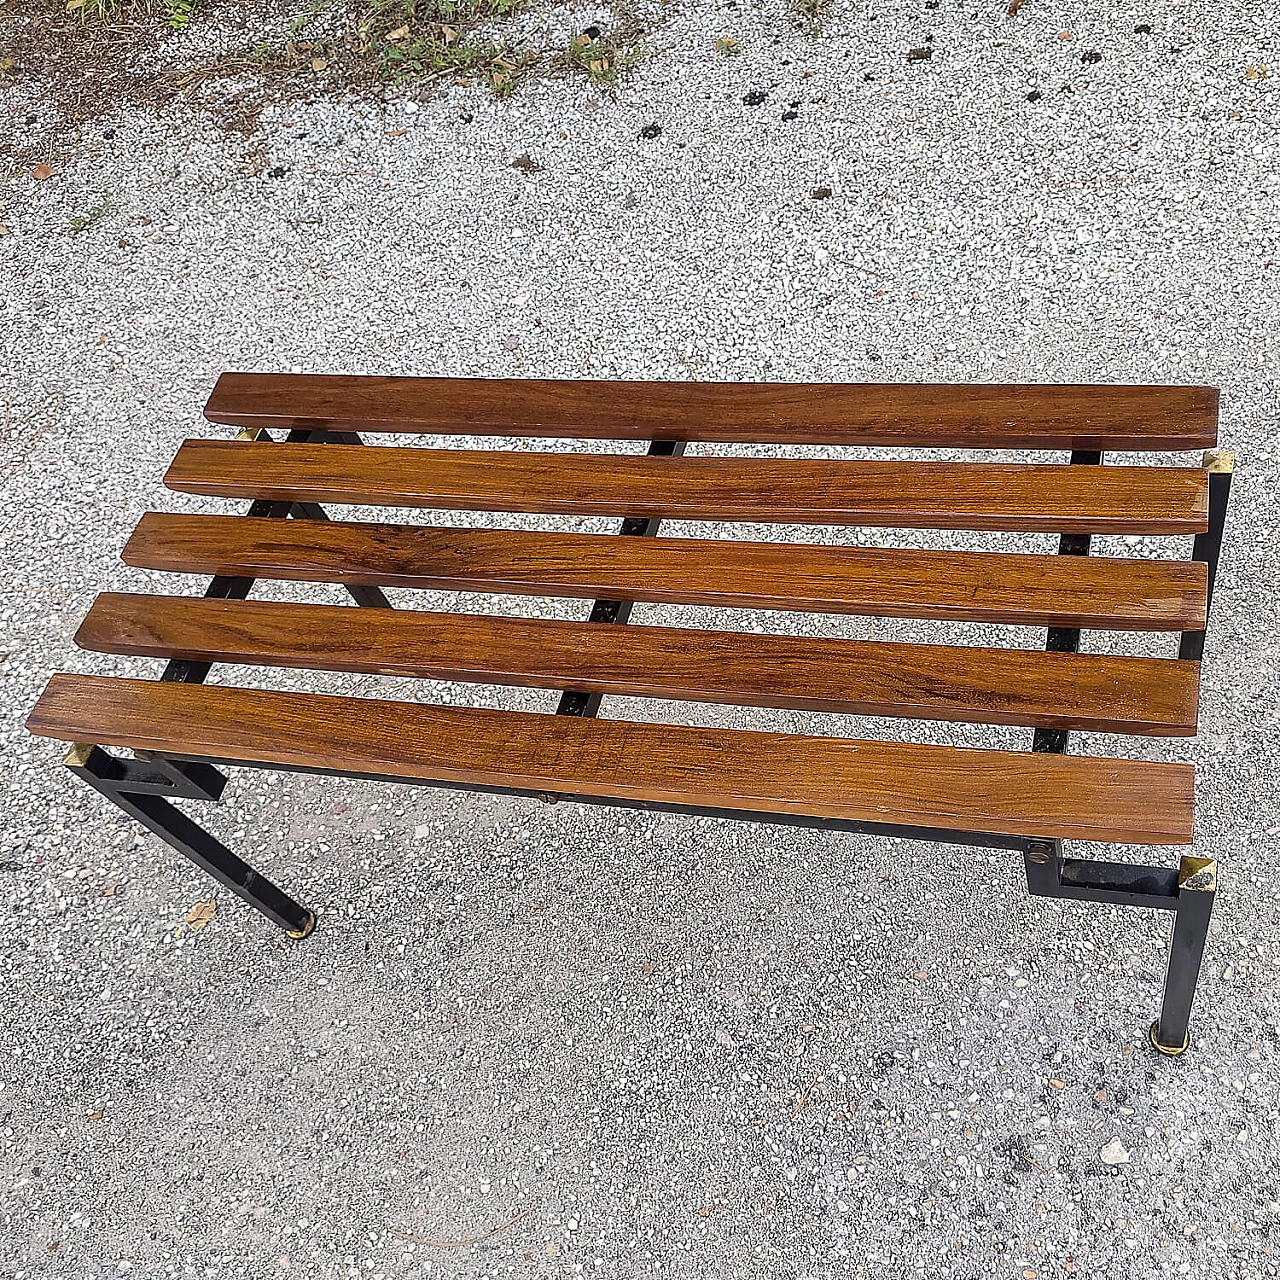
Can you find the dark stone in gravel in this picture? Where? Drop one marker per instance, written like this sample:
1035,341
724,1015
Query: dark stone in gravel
1034,96
790,115
1091,57
278,172
822,193
651,131
526,164
920,55
1143,29
754,98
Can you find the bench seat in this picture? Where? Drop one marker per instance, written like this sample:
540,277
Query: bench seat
181,729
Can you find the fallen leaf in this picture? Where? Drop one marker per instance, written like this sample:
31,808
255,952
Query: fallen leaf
703,1211
42,172
201,914
73,5
396,133
318,64
400,33
1014,6
1065,35
1114,1153
526,164
1100,1096
1257,73
450,35
109,892
1058,1084
95,1115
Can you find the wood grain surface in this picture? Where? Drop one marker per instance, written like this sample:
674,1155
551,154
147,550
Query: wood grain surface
978,415
932,682
1034,590
930,495
1014,793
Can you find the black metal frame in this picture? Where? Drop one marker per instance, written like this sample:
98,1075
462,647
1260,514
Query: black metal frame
144,787
1188,892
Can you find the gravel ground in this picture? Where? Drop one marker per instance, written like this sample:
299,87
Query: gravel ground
589,1041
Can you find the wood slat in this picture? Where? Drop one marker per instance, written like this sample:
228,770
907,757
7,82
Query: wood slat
930,682
1001,587
981,416
1014,793
929,495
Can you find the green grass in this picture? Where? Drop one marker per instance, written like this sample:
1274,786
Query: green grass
405,40
177,13
83,221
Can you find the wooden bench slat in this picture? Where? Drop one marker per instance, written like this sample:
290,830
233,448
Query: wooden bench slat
1000,587
931,495
977,416
1014,793
933,682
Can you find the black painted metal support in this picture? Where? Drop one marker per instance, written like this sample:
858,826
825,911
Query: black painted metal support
1186,892
143,787
138,789
575,702
1066,639
223,587
1208,545
1197,884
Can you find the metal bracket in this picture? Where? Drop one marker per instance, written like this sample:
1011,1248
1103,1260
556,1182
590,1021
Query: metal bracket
141,792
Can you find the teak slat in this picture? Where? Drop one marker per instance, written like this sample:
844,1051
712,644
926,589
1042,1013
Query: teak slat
980,416
932,682
1014,793
1002,587
931,495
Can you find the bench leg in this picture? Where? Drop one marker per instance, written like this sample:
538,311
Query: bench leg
1197,882
1187,893
139,788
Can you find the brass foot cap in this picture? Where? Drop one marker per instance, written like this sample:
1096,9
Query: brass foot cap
1169,1051
305,931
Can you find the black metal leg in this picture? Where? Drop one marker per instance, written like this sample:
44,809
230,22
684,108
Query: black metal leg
134,790
1187,893
1197,883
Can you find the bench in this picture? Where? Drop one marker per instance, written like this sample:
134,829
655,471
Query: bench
180,729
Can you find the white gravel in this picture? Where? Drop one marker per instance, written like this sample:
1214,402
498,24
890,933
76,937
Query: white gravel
630,1045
